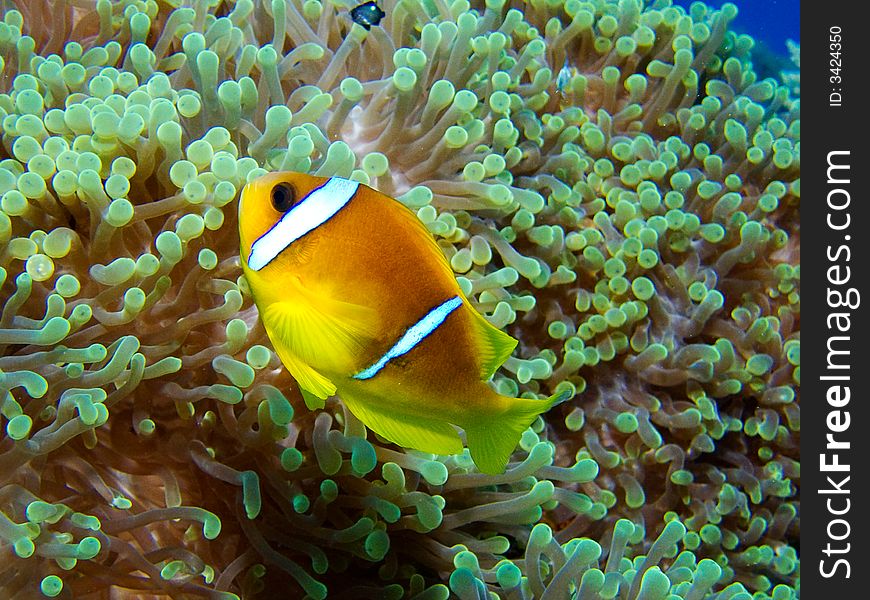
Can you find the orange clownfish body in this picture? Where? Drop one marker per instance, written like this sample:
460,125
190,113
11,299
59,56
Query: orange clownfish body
359,300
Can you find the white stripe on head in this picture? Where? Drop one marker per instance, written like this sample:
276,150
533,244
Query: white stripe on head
413,336
311,212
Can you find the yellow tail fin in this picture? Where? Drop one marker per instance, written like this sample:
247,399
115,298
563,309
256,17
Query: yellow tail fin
493,440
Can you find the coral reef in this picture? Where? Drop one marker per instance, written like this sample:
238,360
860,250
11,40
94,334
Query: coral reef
632,218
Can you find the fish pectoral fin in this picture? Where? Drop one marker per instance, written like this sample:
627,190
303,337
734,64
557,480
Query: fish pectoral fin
426,435
492,440
494,346
315,387
318,328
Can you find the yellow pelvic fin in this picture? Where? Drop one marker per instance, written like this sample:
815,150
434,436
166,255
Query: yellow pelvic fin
319,330
494,346
315,387
427,435
493,440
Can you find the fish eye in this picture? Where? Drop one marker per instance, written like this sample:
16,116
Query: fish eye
283,197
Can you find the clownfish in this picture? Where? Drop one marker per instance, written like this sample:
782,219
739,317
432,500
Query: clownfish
358,299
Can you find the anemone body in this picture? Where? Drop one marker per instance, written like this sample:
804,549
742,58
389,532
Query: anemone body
635,227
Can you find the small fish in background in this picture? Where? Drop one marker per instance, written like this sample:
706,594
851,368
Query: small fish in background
359,300
367,14
564,77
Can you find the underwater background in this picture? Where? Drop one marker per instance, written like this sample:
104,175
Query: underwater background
771,22
615,183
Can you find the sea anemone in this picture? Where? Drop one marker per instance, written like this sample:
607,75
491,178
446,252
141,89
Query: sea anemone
612,184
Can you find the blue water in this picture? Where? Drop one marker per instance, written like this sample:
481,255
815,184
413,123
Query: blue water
770,22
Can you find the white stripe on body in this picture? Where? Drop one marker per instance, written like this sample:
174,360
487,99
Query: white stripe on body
413,336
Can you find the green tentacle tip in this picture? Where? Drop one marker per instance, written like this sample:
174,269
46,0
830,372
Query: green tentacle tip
575,419
147,427
682,477
18,428
672,533
377,544
291,459
654,585
434,472
634,493
85,521
189,227
626,422
301,503
237,332
189,105
759,364
134,301
329,490
115,273
121,503
182,172
508,575
54,330
251,494
169,246
24,547
39,511
163,367
363,458
707,572
429,512
211,525
351,89
171,569
239,373
120,212
404,79
51,586
258,356
228,394
375,164
88,548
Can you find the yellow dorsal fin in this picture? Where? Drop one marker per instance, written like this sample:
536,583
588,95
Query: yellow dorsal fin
494,346
419,229
426,435
320,331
